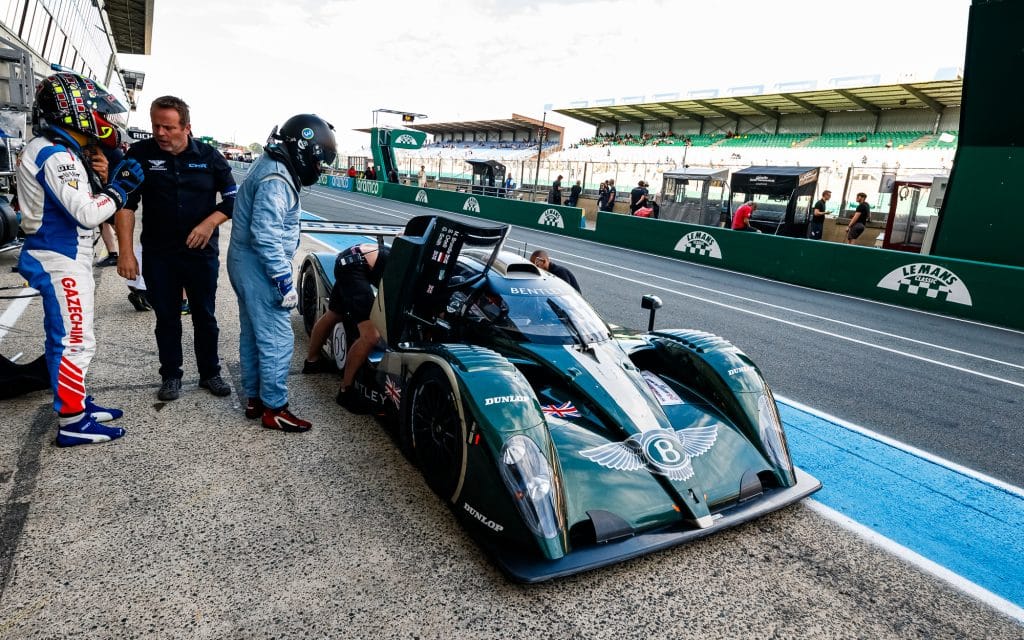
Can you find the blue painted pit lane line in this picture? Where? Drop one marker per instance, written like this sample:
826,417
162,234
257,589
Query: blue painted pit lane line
969,524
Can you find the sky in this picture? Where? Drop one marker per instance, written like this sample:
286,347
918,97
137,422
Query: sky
244,66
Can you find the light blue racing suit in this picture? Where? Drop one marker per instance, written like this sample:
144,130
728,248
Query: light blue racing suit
264,238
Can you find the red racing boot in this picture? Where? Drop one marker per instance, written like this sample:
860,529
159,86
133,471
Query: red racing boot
284,420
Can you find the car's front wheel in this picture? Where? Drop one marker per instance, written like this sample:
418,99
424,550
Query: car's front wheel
434,431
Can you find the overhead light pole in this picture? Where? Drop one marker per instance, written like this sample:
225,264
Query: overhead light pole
540,146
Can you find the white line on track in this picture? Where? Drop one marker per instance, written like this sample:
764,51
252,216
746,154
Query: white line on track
914,451
999,604
791,310
12,313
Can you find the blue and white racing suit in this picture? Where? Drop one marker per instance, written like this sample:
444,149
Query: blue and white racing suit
58,215
264,238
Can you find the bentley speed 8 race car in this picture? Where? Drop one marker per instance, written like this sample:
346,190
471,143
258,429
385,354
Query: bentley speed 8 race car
563,445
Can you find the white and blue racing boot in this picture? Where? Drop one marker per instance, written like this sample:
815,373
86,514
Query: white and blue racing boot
101,414
84,429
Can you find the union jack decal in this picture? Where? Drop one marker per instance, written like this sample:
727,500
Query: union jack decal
564,410
393,391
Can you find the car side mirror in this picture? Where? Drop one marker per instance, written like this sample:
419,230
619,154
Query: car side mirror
653,303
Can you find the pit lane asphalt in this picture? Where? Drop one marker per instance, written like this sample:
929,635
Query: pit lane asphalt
200,524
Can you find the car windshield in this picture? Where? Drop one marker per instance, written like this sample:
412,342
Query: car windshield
542,316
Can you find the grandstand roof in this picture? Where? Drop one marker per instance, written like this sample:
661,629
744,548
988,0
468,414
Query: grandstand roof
934,95
131,22
516,123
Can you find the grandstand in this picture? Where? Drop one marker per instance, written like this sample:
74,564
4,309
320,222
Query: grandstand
856,135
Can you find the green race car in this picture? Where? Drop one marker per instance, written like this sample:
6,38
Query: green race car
561,443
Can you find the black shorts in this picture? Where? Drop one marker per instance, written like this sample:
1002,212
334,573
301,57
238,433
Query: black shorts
854,232
352,294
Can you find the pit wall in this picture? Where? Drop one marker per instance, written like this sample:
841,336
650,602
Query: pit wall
950,286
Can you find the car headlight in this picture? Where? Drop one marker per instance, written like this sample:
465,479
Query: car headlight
772,435
528,477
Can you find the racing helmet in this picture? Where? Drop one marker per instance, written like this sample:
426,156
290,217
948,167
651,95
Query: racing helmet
309,142
71,101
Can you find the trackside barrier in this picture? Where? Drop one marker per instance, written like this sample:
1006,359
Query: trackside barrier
536,215
950,286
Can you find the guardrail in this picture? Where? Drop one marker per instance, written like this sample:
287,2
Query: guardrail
950,286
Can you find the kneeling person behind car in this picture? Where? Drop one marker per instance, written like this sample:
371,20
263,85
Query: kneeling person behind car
356,271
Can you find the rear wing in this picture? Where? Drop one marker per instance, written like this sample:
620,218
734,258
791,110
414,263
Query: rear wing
419,277
378,231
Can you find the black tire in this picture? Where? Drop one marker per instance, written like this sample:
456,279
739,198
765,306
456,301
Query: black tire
309,302
433,431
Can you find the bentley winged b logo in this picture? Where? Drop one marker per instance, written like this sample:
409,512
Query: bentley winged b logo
663,451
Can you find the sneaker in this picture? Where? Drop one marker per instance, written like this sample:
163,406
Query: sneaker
101,414
216,386
284,420
170,389
320,365
109,261
84,429
253,408
351,401
185,309
139,301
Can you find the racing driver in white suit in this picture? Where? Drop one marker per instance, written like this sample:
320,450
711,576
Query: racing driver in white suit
62,201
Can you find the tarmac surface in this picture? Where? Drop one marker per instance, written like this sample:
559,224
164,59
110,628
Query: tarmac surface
201,524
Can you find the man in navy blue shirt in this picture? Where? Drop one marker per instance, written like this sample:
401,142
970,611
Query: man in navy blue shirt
179,239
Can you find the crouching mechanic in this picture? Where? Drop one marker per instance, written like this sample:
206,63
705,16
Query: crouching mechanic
356,271
264,238
62,202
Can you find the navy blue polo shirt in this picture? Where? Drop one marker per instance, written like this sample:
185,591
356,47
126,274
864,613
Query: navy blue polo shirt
179,192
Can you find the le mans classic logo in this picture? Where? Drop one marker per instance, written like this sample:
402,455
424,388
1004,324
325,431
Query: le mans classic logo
551,218
700,243
929,280
421,197
472,205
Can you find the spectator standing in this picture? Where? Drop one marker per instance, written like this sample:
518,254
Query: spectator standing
555,195
602,195
264,238
818,216
421,177
62,201
541,259
741,220
638,197
612,194
352,171
510,186
370,174
859,220
574,194
180,249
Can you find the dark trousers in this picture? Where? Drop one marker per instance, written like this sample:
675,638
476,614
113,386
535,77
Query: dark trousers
816,230
166,275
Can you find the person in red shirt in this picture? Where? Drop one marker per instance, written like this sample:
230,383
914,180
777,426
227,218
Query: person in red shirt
352,171
741,220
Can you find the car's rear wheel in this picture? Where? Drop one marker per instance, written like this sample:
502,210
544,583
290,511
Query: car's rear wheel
309,305
434,431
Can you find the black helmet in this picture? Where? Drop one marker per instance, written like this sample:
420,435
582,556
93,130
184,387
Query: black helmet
309,142
71,101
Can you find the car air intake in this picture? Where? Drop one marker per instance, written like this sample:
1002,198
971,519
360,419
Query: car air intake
608,526
750,485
